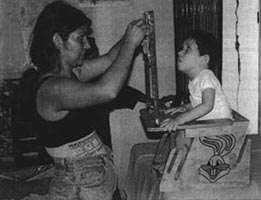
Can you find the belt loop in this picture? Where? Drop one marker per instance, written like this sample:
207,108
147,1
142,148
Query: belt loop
63,161
66,165
103,159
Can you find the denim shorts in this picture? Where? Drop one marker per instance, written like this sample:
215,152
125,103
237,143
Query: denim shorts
85,178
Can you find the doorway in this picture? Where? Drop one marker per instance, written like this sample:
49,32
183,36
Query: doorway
203,15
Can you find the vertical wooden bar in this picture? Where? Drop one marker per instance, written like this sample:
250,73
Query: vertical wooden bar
259,72
151,64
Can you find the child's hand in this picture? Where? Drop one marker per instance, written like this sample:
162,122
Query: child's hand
175,110
171,124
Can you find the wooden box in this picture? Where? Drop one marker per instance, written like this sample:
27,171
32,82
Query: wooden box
218,158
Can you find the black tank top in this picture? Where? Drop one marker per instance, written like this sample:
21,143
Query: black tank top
75,125
80,123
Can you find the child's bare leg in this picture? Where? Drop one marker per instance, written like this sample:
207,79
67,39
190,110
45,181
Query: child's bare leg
181,141
183,145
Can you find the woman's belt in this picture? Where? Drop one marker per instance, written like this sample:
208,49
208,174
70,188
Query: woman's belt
88,146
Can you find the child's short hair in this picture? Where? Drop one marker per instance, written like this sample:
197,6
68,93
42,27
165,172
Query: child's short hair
207,44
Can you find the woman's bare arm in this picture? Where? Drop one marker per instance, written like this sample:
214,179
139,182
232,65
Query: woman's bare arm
97,66
61,94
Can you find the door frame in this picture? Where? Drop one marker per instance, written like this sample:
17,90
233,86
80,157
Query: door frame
259,71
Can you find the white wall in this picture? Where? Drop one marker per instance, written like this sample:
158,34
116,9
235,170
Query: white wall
110,20
11,44
125,124
245,101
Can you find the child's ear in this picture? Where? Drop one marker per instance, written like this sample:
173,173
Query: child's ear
205,59
57,40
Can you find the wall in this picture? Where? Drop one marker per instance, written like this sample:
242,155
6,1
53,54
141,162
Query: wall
110,20
125,123
11,45
241,88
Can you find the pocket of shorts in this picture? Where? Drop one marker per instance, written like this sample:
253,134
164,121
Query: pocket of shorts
93,175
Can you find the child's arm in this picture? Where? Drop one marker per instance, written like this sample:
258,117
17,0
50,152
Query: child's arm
182,108
208,99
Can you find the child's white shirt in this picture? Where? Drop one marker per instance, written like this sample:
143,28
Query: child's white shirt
206,79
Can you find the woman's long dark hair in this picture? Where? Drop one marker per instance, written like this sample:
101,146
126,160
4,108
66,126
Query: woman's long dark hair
23,104
57,17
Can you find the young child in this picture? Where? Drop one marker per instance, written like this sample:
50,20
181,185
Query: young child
207,99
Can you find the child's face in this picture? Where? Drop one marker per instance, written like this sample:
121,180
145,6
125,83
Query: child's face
189,56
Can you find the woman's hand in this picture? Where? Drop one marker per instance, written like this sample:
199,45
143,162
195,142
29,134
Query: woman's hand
135,32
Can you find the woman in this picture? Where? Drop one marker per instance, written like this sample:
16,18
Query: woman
64,86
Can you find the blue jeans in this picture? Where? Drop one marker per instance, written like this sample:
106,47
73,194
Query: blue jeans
86,178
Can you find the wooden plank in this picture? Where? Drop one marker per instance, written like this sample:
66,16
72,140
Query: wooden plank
237,175
236,128
148,121
150,126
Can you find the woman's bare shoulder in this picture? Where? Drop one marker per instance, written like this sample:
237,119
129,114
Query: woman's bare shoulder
48,98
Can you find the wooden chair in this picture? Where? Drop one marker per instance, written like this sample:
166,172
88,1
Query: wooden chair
216,166
219,156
